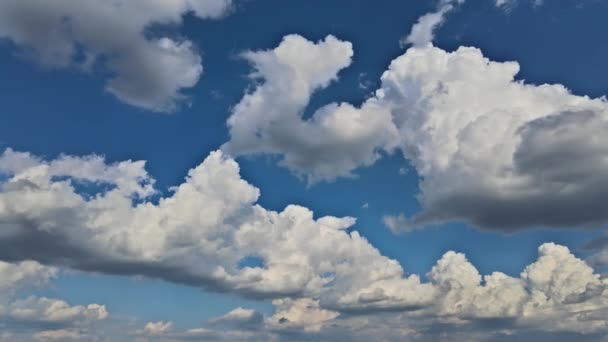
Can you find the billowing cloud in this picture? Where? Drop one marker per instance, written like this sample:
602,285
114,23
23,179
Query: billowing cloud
96,217
491,150
494,151
143,70
423,31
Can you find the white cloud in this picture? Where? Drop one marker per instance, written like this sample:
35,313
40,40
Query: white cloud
143,70
423,31
305,314
30,315
335,140
491,150
25,274
199,235
558,297
158,328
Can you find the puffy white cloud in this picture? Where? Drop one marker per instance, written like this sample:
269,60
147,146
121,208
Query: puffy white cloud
423,31
558,291
144,71
53,310
158,328
335,140
493,151
199,235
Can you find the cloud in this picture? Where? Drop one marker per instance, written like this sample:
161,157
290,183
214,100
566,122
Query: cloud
40,318
158,328
423,31
240,318
508,5
491,150
58,335
303,314
335,140
142,69
557,297
94,216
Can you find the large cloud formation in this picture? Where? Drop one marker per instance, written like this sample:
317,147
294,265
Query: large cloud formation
93,216
491,150
86,214
144,70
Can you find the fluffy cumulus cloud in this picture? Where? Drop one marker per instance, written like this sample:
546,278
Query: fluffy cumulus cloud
95,216
144,70
335,140
40,318
494,151
491,150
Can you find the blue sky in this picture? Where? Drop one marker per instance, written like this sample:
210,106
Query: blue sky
62,106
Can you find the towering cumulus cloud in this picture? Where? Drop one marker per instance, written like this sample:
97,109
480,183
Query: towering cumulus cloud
144,70
490,150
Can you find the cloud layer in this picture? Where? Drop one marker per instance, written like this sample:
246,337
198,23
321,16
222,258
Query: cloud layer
143,70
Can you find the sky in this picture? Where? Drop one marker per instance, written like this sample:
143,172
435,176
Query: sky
264,170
